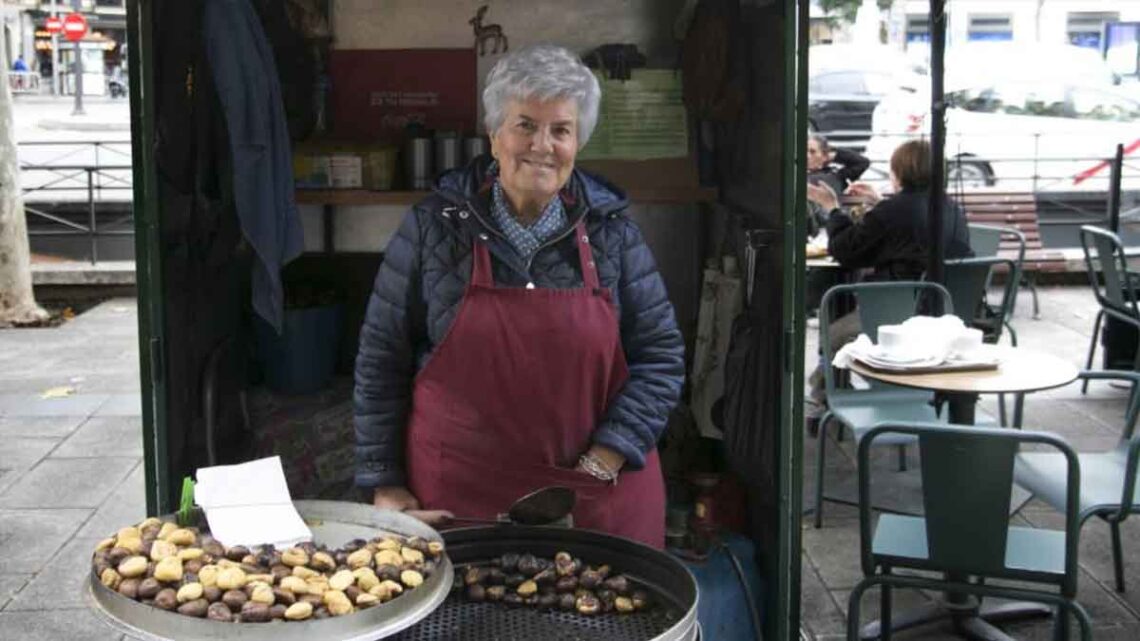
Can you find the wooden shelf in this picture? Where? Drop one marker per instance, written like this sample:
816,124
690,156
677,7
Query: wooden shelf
357,197
669,181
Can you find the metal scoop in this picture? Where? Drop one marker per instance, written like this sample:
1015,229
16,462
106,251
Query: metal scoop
541,507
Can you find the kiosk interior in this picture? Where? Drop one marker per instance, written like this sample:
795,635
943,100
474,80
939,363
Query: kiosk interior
699,125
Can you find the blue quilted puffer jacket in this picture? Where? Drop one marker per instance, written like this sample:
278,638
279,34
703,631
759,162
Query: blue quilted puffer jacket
421,282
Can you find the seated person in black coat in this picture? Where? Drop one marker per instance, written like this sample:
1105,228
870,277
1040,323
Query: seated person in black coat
891,239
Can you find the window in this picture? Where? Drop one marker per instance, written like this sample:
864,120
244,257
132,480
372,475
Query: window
1013,100
990,27
917,28
843,82
1085,27
1094,104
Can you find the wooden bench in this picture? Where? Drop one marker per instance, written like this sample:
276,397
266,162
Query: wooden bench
1016,211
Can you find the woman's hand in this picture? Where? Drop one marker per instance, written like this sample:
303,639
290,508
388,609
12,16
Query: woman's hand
401,500
823,196
865,193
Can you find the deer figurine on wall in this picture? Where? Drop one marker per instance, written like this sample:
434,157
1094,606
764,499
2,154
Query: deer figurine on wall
483,32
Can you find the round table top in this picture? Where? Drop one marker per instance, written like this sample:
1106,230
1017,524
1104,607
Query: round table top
1020,370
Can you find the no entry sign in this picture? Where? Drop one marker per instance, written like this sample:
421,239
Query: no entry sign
54,24
74,27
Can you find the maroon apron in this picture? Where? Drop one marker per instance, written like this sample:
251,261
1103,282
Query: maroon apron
508,401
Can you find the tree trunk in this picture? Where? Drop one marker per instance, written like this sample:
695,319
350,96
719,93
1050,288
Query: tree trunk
17,301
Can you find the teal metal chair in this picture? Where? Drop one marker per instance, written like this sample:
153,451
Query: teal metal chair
1114,288
1108,487
877,304
985,241
967,280
967,476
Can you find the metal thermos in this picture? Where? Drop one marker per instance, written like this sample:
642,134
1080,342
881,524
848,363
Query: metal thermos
474,147
417,163
447,153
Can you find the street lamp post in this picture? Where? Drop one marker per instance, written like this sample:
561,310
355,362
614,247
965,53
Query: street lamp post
78,111
56,88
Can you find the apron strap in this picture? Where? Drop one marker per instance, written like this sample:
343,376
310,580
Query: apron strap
481,265
481,275
586,257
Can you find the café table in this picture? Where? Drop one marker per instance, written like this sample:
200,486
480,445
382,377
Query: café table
1020,371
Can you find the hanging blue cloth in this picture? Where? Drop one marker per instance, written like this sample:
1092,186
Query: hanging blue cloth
244,73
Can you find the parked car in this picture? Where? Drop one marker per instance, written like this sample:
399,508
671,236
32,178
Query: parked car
846,83
1041,125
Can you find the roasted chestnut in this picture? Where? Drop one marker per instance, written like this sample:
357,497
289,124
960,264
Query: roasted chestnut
566,584
476,593
509,562
619,584
588,605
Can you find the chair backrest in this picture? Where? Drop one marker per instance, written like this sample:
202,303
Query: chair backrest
967,279
985,240
1111,290
1128,433
967,477
878,303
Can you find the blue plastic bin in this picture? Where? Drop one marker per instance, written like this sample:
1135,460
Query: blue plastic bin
303,358
723,608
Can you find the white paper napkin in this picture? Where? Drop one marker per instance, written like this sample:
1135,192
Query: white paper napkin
249,504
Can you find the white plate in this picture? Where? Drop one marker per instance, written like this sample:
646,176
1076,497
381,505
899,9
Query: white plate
898,358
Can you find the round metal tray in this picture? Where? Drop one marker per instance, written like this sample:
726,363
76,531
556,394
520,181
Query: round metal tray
674,618
333,523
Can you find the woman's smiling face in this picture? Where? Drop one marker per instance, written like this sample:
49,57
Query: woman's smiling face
536,146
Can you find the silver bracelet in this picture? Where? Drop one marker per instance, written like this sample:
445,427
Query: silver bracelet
597,469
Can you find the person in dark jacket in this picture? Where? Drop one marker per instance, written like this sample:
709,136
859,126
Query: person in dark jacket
836,168
891,239
519,334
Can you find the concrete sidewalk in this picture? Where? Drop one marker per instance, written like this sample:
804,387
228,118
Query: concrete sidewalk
70,468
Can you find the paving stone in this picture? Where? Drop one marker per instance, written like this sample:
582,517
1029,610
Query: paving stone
23,453
61,581
28,538
10,584
78,624
819,612
1096,553
33,405
104,436
121,405
38,426
126,506
60,483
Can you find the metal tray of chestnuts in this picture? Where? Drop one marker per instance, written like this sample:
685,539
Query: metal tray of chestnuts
665,583
333,524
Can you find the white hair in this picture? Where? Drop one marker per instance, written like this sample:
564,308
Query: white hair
542,72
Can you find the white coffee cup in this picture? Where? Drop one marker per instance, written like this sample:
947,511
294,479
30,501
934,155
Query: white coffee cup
895,339
967,341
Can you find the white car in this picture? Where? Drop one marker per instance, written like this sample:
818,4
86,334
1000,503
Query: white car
1036,131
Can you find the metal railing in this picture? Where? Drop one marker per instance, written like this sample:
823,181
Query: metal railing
92,174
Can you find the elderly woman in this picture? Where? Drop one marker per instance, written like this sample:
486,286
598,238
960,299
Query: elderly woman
519,335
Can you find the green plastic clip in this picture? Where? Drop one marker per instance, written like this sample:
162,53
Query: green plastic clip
186,507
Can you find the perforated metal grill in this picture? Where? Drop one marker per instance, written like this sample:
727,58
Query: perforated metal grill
461,620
